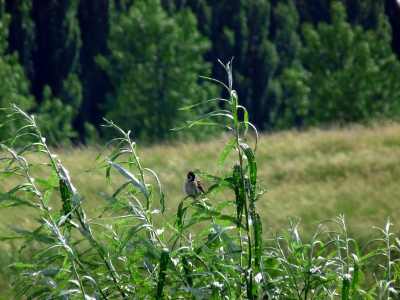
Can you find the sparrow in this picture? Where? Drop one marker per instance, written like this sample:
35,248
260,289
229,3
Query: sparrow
192,186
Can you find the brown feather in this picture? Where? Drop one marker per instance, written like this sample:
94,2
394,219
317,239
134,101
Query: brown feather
200,186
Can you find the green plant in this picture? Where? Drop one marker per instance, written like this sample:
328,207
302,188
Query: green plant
135,249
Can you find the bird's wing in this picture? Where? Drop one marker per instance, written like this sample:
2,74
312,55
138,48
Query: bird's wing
200,186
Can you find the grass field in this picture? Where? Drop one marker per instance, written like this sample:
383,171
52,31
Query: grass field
312,175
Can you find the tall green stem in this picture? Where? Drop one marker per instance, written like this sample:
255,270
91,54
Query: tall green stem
234,103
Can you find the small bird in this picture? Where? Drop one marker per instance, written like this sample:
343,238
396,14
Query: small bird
192,186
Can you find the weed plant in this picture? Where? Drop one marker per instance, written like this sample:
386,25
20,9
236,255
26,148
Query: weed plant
123,255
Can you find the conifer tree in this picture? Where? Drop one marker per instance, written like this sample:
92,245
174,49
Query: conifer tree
94,21
55,59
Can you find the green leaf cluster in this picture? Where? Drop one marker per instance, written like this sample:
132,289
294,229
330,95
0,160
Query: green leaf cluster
347,74
154,65
14,85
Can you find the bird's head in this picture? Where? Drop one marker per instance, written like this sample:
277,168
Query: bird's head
191,176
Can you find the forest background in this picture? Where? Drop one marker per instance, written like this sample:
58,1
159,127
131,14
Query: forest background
296,63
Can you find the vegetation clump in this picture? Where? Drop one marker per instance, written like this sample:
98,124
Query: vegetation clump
126,253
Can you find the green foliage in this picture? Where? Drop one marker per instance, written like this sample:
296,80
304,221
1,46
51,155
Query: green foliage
21,32
55,119
155,51
14,85
348,75
285,24
154,65
131,257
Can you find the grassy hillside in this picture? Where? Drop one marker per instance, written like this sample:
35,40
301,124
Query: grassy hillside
310,176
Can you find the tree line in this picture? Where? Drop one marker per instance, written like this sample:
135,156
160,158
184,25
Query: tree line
135,62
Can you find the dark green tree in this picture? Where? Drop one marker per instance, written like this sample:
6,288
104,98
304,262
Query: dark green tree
55,119
14,85
257,62
21,32
263,38
55,57
349,74
285,23
154,66
94,21
392,8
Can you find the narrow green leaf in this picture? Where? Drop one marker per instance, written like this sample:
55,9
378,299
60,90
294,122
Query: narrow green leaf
187,270
108,175
50,184
287,238
38,237
162,202
24,187
67,180
132,232
231,246
220,205
200,103
197,123
246,120
197,292
257,138
66,201
111,124
16,201
257,225
355,283
249,284
251,159
16,135
22,291
346,289
138,184
208,176
118,152
106,146
225,113
239,193
163,272
225,153
22,265
215,80
44,183
38,293
215,291
234,109
120,189
9,121
180,216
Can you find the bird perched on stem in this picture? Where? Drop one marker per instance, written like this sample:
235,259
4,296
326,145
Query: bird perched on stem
192,186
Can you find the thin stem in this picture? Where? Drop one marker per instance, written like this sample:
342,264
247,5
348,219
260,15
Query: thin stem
234,104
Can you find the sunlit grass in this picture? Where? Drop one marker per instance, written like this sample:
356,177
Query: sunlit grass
312,175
